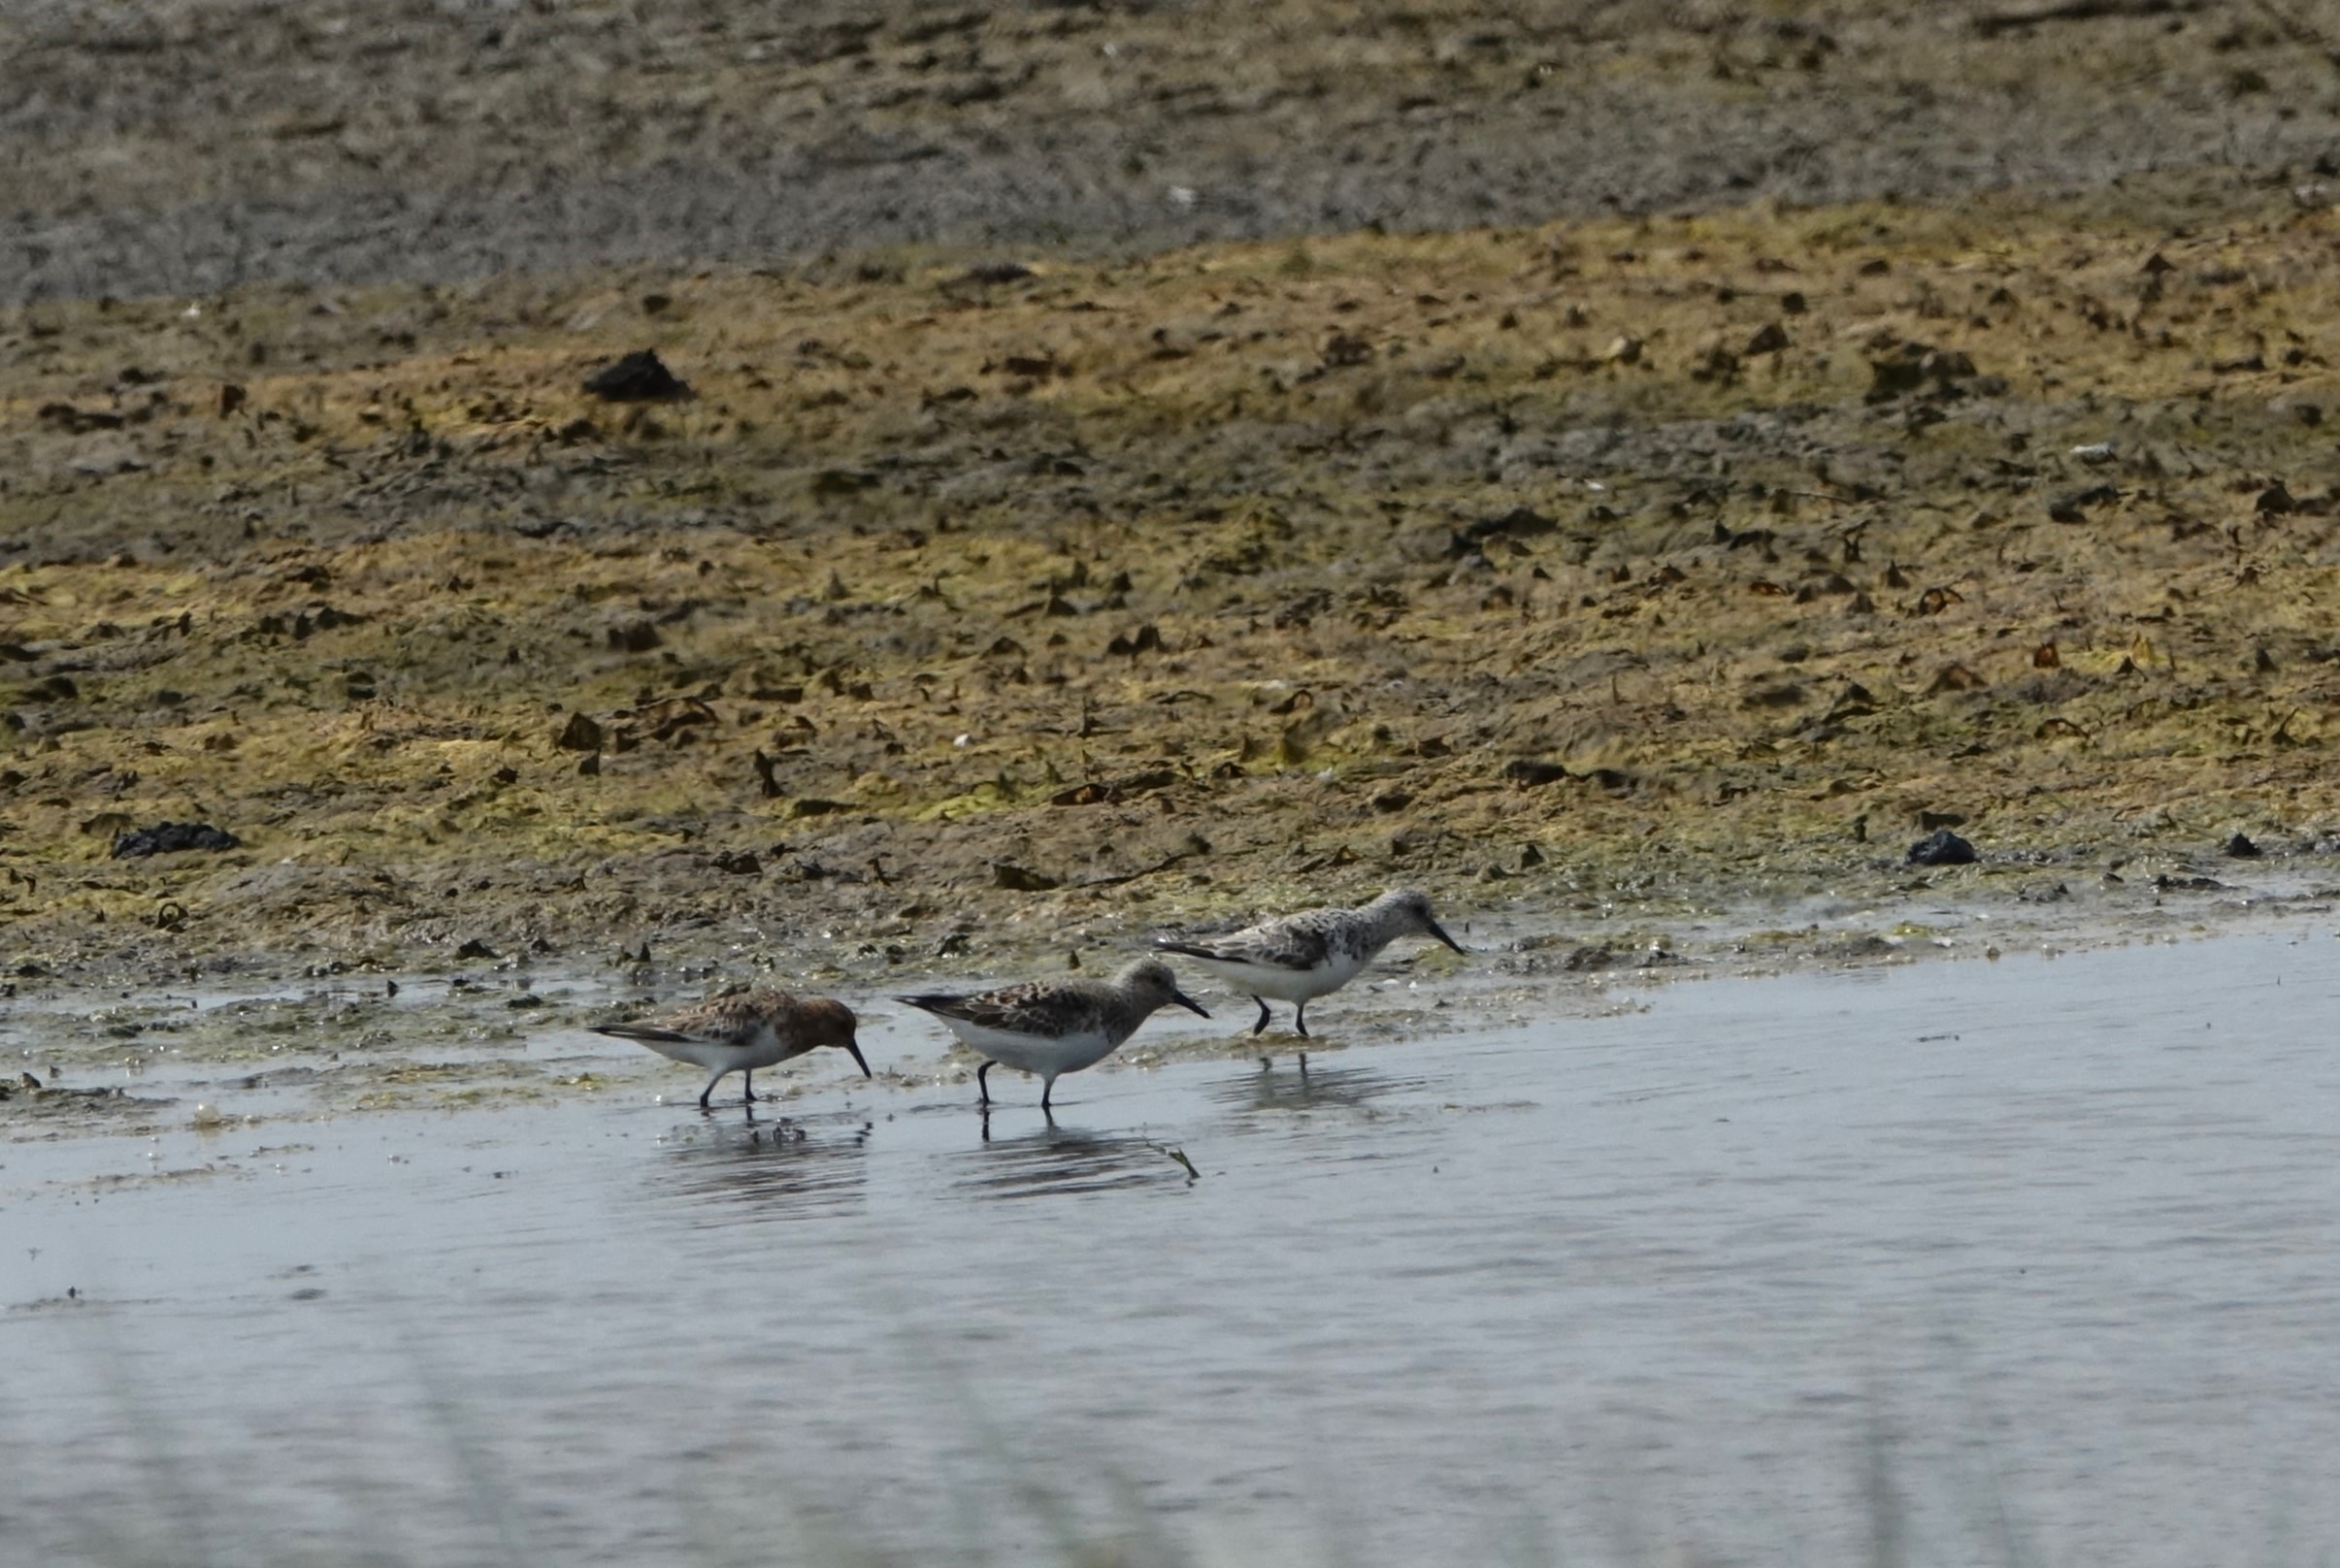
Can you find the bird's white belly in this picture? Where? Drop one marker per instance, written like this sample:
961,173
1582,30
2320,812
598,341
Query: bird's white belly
1286,984
713,1055
1033,1052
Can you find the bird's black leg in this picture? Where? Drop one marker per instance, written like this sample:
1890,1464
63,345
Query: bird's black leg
1299,1020
1262,1023
1047,1110
983,1088
748,1076
708,1090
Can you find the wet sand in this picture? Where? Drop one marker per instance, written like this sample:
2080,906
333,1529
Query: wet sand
2028,1261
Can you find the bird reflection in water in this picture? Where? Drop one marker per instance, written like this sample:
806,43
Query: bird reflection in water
1056,1159
757,1169
1311,1089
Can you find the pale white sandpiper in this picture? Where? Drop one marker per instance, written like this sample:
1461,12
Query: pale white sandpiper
1303,957
746,1031
1055,1027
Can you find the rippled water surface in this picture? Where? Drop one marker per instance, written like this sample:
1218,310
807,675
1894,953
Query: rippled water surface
2035,1261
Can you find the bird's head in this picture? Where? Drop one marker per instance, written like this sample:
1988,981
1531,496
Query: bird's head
1410,909
833,1024
1153,981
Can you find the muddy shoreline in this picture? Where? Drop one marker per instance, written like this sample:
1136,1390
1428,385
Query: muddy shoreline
238,1051
983,605
1656,568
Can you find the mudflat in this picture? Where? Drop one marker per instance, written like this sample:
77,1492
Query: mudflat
1146,468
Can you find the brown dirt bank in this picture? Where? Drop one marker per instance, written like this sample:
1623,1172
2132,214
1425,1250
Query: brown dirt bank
1620,572
189,145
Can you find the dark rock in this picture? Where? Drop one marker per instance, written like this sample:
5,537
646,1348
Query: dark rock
1017,879
1942,848
74,421
579,733
1096,792
2241,848
170,838
635,636
1147,641
1531,773
640,376
993,273
2073,508
1520,522
1918,367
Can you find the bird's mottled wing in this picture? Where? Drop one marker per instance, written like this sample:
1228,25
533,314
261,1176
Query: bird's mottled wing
1295,942
1035,1007
729,1020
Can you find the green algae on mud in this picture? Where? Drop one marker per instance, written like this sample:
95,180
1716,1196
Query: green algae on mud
1606,570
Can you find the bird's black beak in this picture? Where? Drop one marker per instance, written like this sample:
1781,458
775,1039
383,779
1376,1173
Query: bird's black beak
1435,929
851,1047
1189,1003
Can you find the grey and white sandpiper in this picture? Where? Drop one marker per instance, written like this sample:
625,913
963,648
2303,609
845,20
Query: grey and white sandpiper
1055,1027
1303,957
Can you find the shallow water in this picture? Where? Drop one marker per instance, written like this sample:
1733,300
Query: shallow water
2031,1260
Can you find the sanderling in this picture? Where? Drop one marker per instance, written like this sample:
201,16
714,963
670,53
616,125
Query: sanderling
1054,1027
743,1032
1300,957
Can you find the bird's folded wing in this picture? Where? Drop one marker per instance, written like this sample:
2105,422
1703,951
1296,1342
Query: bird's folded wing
1266,947
1038,1007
